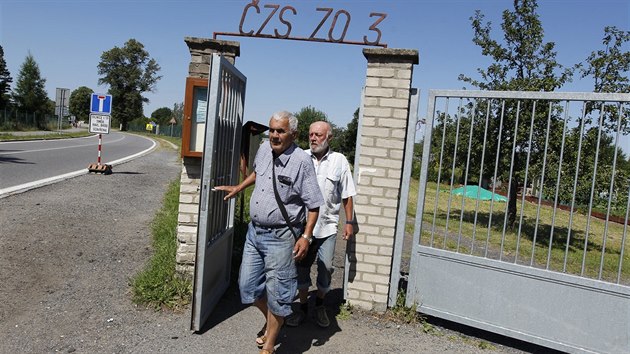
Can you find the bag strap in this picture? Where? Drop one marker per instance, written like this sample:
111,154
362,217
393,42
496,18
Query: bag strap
283,210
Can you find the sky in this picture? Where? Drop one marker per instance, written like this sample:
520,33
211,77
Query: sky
67,38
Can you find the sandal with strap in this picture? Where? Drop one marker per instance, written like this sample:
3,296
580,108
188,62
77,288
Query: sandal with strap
261,337
267,351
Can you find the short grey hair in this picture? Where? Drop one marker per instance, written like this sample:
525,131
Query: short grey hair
293,121
330,130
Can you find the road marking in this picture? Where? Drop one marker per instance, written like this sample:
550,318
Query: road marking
50,180
57,148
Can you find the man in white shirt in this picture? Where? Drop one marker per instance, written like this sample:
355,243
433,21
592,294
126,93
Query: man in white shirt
335,181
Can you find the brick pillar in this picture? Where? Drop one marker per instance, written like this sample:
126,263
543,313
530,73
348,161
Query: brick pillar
382,142
201,50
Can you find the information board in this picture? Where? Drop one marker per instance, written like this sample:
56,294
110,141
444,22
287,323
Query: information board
99,123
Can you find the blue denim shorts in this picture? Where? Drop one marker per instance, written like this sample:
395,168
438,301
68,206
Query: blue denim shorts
268,268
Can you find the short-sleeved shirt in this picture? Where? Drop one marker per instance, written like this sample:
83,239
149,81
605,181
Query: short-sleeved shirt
335,181
296,182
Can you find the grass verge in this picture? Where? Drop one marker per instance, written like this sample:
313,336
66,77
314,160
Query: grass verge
51,136
158,285
174,140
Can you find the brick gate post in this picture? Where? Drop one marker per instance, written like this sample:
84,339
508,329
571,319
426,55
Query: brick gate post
381,150
201,50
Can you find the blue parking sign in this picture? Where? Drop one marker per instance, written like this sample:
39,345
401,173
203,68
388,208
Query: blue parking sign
101,104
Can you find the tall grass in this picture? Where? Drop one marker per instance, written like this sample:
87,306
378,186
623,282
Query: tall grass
158,285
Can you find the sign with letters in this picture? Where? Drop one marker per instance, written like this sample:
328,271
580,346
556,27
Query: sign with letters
335,21
99,123
101,104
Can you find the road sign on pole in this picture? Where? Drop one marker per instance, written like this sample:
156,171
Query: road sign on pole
101,104
99,123
62,102
100,108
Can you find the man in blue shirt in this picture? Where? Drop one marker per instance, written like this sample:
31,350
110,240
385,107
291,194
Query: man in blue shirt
268,275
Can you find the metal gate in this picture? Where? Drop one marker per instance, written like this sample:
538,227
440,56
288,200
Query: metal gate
226,99
521,216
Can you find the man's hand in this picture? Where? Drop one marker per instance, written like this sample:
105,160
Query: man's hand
300,249
232,191
348,231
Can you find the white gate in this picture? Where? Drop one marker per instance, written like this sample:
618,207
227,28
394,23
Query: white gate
226,99
521,217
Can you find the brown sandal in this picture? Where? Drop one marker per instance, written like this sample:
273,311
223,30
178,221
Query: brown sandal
261,337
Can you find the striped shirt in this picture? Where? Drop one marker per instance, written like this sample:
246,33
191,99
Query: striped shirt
296,181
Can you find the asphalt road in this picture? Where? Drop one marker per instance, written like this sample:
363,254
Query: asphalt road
40,162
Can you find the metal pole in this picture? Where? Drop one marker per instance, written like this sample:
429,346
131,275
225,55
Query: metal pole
60,93
98,161
61,108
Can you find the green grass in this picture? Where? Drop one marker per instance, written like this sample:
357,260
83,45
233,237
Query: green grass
158,285
345,311
403,313
49,136
548,243
175,140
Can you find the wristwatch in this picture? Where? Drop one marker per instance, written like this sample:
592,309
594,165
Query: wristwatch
308,238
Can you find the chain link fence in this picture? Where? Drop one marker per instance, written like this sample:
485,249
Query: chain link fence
166,130
12,119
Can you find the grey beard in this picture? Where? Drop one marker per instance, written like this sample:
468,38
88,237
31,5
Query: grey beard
320,148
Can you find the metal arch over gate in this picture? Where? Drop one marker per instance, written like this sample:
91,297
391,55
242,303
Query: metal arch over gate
543,268
225,105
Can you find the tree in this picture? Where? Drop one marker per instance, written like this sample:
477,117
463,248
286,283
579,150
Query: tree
80,103
605,158
178,112
5,81
521,61
348,138
129,71
524,62
30,94
162,116
338,133
306,116
610,68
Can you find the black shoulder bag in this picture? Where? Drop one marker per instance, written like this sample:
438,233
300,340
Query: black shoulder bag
283,210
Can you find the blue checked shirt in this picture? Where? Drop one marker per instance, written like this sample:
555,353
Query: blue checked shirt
296,181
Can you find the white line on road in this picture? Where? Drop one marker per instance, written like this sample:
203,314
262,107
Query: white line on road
57,148
50,180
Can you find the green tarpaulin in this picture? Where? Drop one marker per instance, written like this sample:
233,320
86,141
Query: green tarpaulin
475,192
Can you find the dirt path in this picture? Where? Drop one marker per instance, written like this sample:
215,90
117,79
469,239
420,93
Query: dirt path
68,250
